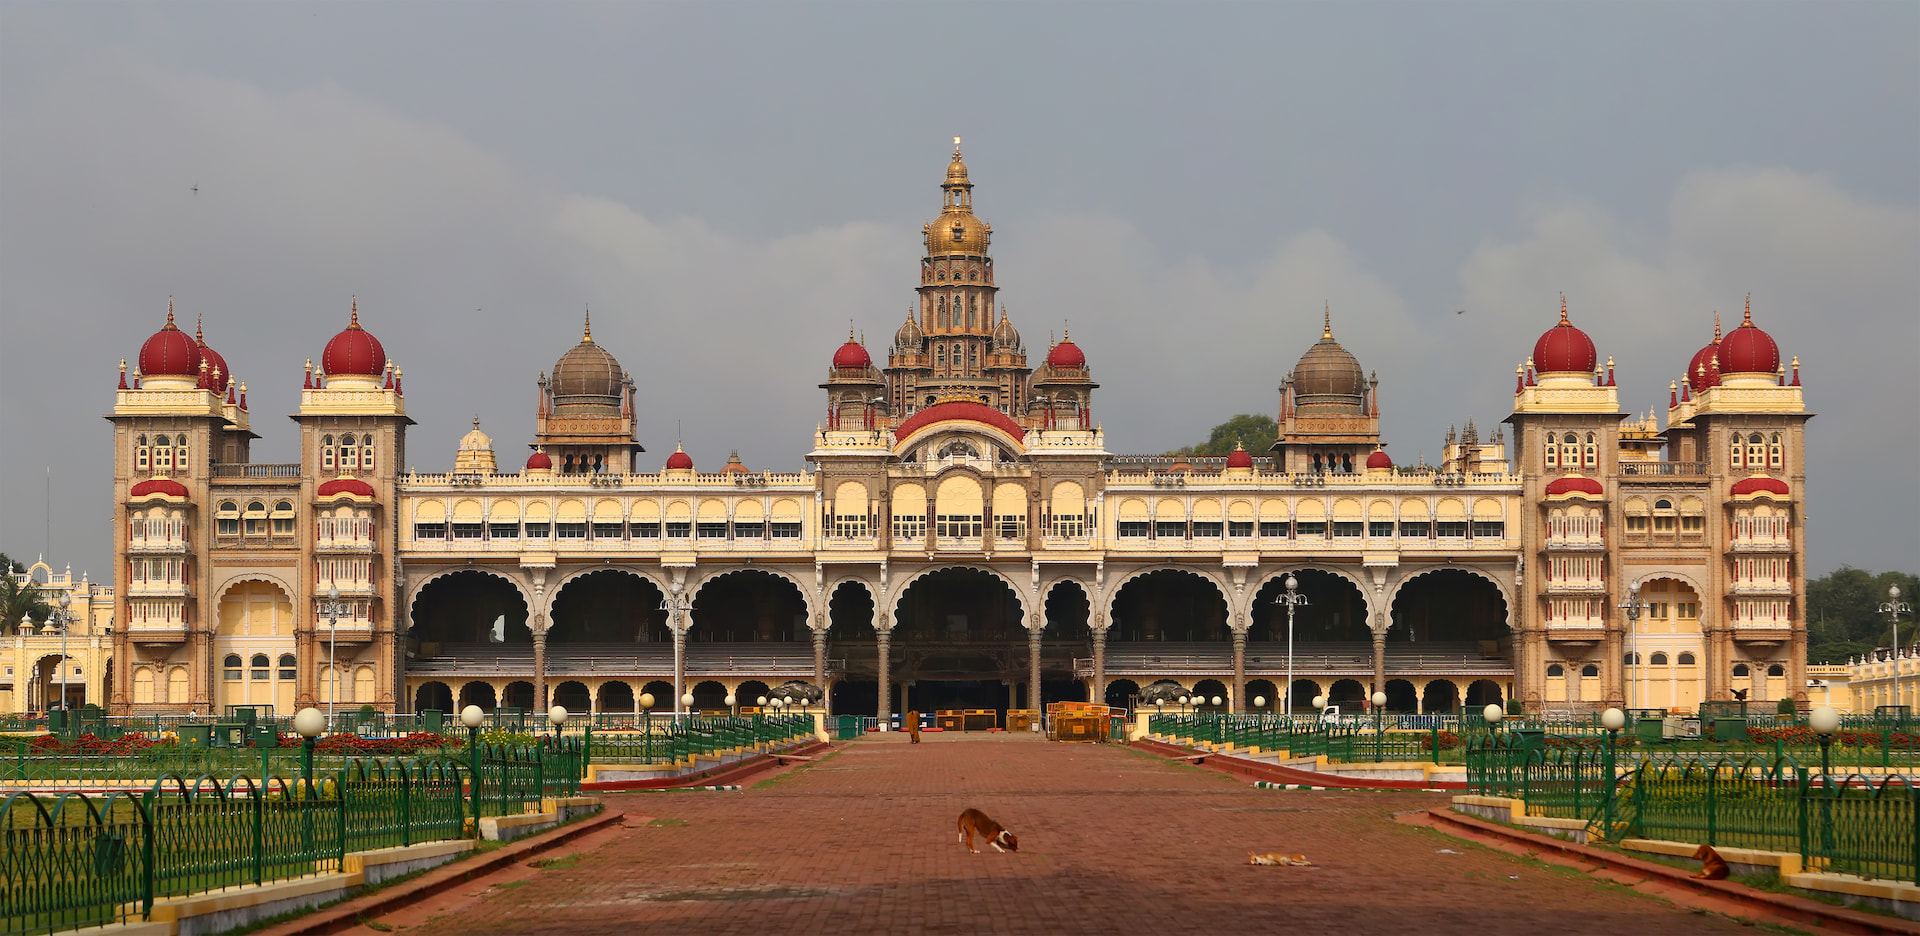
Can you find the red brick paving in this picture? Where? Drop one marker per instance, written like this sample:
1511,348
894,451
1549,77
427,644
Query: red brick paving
1111,841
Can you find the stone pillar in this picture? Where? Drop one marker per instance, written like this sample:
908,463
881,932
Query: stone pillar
820,660
539,667
1099,693
1239,687
1380,661
1034,636
883,639
679,669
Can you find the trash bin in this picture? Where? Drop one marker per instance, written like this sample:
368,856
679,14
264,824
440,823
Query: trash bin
1650,729
849,727
1729,729
265,737
200,735
431,720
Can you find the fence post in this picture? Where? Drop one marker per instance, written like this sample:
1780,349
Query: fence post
1713,803
340,828
406,806
1806,845
1436,741
147,854
259,807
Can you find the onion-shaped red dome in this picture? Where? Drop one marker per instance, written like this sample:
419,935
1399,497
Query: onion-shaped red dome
734,465
852,354
170,353
539,461
1379,459
218,374
1750,486
1704,370
1748,350
679,460
959,409
354,352
1239,458
158,487
1564,349
1066,354
348,486
1575,485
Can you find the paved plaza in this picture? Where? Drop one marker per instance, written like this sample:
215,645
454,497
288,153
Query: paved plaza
1112,840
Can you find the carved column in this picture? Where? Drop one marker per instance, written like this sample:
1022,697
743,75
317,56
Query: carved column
820,656
883,638
539,664
1099,693
679,666
1239,687
1034,637
1380,660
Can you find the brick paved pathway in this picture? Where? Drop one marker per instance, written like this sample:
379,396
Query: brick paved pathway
1112,841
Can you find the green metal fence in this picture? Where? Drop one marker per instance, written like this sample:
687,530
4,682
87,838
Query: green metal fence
72,860
666,739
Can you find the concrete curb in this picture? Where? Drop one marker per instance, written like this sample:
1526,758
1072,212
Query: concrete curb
713,777
348,914
1785,908
1273,773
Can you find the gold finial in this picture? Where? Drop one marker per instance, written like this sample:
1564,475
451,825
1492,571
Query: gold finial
1326,326
355,322
199,338
586,332
476,420
956,147
170,312
1563,310
1748,320
1716,326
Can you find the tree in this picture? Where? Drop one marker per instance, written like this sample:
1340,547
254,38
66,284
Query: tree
20,600
1843,613
1251,431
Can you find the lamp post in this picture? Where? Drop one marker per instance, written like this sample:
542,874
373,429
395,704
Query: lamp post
1492,715
556,717
1379,701
1613,720
471,717
1632,606
1825,720
1893,608
308,723
686,702
1293,601
733,705
646,705
64,617
332,608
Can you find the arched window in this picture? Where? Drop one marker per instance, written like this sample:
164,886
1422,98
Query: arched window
366,452
1593,452
1551,451
287,667
326,452
1686,659
1756,451
1629,660
1776,670
1555,671
283,518
940,357
180,456
1571,439
1659,659
163,455
1733,455
1589,671
255,518
347,452
1776,454
226,519
262,667
232,667
1740,670
142,456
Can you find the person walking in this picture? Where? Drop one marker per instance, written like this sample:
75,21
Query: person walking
913,726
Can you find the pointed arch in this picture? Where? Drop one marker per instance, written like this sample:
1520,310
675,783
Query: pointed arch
807,597
1506,588
1113,591
416,583
889,609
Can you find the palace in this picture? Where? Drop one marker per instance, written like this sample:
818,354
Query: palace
962,538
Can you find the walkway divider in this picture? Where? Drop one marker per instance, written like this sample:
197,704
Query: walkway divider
719,775
1276,773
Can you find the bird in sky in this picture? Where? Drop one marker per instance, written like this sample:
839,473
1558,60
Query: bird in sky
196,188
1459,311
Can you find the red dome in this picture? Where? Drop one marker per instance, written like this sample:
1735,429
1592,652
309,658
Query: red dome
339,486
1575,485
852,354
960,409
218,374
170,353
1704,370
1761,486
539,460
1564,349
1066,354
354,351
163,486
1379,460
1748,350
679,460
1239,458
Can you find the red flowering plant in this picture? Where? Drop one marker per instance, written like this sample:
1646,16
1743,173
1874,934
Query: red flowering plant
1794,735
1447,739
398,746
87,745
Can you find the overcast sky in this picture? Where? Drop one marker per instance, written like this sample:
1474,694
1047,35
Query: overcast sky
728,185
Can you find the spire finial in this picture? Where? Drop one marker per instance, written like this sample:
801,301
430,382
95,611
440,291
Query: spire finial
1716,326
849,329
1563,310
1326,325
586,331
476,420
199,337
355,321
1748,319
170,312
956,147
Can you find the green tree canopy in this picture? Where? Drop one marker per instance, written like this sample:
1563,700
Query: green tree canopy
1251,431
1843,613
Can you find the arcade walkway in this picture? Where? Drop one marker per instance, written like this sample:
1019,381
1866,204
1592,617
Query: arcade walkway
1112,841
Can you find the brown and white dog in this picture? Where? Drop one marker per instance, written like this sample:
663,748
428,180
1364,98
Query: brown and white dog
974,822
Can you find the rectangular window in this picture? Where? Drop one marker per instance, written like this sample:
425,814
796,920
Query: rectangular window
1133,527
283,526
1273,529
537,530
232,675
1663,524
429,531
1693,524
1657,610
503,531
745,531
286,672
850,526
1491,529
1455,529
679,529
467,531
1240,528
1380,528
711,530
957,526
1415,529
260,672
570,531
1636,524
1311,528
1170,529
1010,526
1070,526
784,530
646,531
613,531
227,526
256,526
910,529
1207,529
1347,529
1687,610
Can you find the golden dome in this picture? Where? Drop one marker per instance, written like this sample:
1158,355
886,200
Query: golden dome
1328,378
476,452
475,439
587,378
957,232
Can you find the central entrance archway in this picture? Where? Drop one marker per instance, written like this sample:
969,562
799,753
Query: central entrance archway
958,644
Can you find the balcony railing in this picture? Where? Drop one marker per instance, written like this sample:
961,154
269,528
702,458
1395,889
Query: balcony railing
1663,469
257,471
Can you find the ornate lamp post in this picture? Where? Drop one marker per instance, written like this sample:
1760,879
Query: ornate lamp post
556,717
646,705
308,723
1632,606
1613,720
686,702
331,609
733,705
1892,608
471,717
1825,720
1379,701
64,620
1293,600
